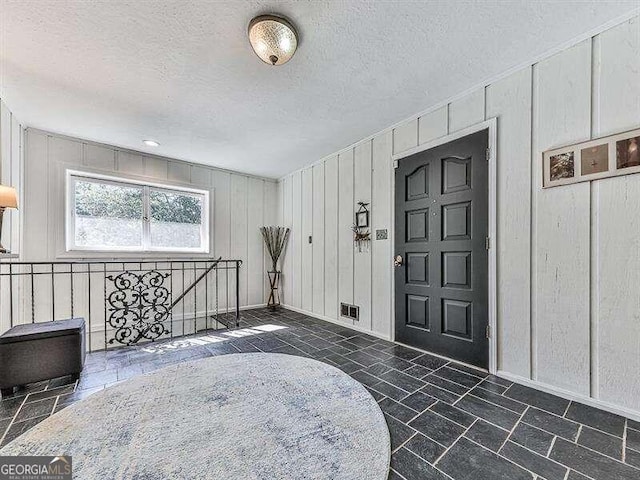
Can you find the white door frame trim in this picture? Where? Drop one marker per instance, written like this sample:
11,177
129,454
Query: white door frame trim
492,125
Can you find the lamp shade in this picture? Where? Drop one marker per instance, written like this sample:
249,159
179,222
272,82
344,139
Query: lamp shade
8,197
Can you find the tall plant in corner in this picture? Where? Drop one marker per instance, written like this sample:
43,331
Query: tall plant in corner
275,239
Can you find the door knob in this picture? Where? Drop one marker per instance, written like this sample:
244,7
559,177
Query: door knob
398,260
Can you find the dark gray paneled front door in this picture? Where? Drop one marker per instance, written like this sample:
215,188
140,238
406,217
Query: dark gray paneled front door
441,228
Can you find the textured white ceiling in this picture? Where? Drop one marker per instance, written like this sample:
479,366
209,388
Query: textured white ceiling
183,72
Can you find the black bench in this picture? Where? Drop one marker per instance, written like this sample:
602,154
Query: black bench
41,351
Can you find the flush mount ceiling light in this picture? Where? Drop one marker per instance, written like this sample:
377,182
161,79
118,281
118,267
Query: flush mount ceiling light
273,38
151,143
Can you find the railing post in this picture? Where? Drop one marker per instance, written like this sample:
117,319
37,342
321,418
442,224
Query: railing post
238,262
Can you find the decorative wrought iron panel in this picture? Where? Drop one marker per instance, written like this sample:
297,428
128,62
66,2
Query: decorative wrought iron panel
138,307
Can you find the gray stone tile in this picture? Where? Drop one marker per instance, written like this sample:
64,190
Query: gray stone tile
454,414
533,438
633,424
35,409
590,463
458,377
363,359
401,380
446,384
469,461
18,428
551,423
403,352
419,401
377,369
437,428
377,396
533,462
393,475
492,387
602,442
573,475
491,413
542,400
9,407
487,435
398,431
430,361
439,393
633,439
596,418
632,457
398,363
497,399
476,372
412,467
418,371
425,448
365,379
499,381
390,391
397,410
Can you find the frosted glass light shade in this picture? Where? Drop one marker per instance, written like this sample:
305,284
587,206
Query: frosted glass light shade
8,197
274,39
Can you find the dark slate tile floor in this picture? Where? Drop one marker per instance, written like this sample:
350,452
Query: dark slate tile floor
447,421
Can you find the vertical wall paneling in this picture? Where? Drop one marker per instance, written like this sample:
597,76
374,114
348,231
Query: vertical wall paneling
433,125
381,281
346,210
298,234
157,168
256,211
510,101
317,289
616,255
405,136
307,248
362,260
565,315
11,175
272,216
99,157
179,172
238,230
5,168
128,162
331,228
288,277
563,226
222,225
255,248
466,111
16,181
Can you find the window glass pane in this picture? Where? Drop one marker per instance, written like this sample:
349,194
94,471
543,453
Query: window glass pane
175,219
107,215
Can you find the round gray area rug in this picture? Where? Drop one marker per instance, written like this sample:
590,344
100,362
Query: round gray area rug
246,416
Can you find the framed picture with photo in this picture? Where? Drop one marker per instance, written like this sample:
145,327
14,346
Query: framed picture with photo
592,160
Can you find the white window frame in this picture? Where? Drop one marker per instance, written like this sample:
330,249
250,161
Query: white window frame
73,175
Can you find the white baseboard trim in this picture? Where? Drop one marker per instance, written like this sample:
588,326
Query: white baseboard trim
592,402
337,322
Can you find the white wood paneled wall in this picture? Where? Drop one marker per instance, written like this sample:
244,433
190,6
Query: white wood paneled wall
10,173
241,204
11,138
568,258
